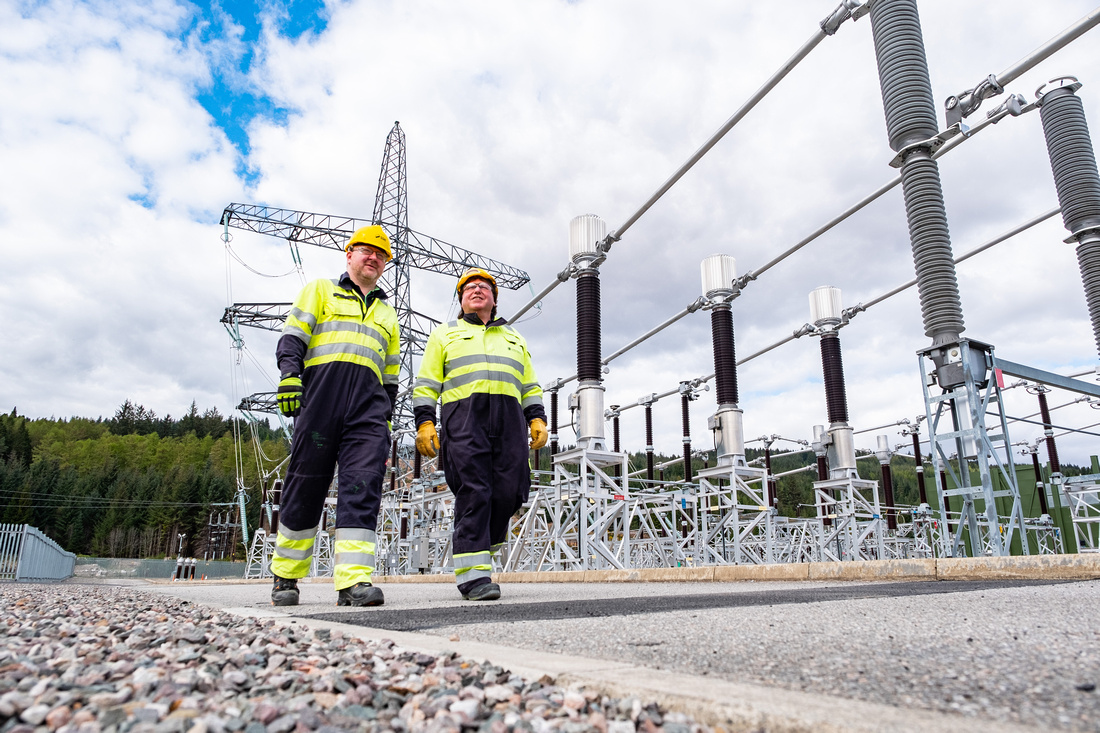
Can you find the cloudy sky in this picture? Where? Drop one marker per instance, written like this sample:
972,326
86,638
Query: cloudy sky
126,128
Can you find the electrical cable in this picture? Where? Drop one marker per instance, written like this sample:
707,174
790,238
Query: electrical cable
248,267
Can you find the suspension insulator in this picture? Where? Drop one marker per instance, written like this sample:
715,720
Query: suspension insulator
416,465
588,327
832,368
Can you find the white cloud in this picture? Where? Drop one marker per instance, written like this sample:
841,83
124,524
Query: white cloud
519,117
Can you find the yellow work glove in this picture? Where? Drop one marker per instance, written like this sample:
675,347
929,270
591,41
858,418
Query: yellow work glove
289,396
427,440
538,433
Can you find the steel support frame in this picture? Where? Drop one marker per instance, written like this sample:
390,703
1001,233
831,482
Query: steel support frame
989,533
581,522
746,526
1082,495
857,530
919,538
427,508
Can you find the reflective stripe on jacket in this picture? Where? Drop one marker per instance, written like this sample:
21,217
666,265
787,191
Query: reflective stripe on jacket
335,323
463,358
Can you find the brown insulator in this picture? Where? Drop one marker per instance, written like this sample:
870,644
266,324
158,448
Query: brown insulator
888,495
685,400
832,368
920,468
588,327
649,443
725,360
1040,487
1048,429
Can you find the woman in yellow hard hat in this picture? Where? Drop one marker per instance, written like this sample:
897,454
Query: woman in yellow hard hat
480,369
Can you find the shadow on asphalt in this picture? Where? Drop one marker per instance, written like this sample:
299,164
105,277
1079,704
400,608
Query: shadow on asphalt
486,612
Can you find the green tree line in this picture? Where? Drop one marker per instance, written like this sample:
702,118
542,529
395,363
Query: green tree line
131,485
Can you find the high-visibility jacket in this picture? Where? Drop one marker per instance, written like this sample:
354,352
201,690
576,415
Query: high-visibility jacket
332,322
484,377
466,357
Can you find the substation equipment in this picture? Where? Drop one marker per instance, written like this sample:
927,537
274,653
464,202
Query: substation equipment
592,513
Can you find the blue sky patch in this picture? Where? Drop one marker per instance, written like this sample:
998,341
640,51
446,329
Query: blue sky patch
229,31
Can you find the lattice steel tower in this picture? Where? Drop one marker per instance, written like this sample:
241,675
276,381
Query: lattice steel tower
410,250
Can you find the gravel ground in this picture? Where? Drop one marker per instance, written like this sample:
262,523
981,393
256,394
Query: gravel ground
1024,654
101,659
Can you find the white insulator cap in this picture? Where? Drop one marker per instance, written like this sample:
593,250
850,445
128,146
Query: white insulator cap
585,234
883,452
719,273
825,308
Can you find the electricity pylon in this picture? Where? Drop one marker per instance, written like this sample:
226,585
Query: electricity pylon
411,250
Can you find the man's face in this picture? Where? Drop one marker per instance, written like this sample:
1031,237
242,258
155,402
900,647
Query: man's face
477,295
366,262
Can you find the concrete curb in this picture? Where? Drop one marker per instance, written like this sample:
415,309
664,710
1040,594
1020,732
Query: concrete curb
1032,567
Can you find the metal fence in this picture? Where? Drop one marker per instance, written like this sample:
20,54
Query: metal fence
27,554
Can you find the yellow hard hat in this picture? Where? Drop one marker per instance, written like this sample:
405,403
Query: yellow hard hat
375,236
479,273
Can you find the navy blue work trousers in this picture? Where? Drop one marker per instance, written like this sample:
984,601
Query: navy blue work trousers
343,421
485,461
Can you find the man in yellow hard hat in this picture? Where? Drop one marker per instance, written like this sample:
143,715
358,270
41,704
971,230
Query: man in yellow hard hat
339,361
480,368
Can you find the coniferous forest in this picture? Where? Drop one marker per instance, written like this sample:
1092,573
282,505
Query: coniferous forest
129,486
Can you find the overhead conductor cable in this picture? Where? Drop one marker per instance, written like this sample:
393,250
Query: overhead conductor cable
827,27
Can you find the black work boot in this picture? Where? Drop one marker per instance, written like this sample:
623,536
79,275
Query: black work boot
285,592
484,592
360,594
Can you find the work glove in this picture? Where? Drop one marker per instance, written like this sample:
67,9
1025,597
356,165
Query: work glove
538,433
289,396
427,440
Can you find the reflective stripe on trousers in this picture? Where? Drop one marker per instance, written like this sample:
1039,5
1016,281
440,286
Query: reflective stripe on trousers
472,565
293,552
354,561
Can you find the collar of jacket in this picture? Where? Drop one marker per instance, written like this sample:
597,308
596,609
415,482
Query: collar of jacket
475,319
348,284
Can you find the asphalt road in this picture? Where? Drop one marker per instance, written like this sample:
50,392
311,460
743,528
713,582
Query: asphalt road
432,619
